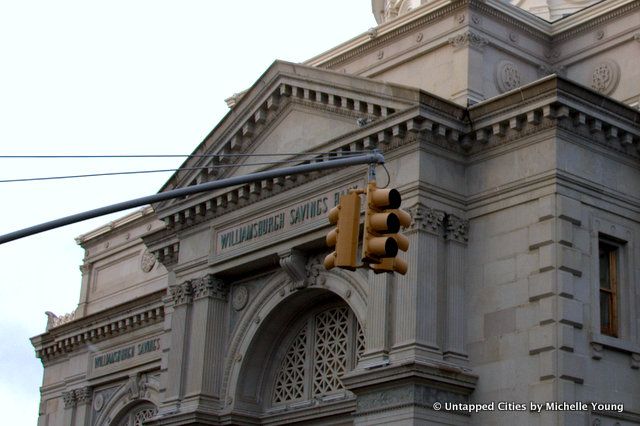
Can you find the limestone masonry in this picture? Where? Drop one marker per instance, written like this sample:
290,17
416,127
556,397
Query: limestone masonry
512,131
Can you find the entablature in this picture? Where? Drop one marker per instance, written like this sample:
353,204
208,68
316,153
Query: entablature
71,336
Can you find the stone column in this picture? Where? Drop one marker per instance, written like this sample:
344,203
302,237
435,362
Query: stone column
85,269
206,345
456,237
177,325
416,323
83,398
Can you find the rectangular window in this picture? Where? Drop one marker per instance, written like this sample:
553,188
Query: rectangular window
609,255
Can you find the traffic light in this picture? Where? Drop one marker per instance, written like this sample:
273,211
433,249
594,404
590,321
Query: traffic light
344,237
381,240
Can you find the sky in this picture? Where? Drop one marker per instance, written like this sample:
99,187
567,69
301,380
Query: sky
116,78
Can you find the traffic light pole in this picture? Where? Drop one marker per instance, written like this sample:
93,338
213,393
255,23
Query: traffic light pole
374,157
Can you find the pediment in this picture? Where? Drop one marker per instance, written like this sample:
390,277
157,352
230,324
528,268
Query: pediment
292,109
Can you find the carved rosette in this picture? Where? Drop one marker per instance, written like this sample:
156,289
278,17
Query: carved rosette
240,297
507,76
605,77
427,219
147,261
467,39
209,286
456,229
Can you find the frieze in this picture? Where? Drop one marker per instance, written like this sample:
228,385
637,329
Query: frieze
268,227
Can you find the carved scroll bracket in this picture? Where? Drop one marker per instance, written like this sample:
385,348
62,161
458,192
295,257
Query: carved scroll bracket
294,264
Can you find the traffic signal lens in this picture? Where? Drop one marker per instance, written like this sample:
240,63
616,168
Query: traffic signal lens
385,198
385,223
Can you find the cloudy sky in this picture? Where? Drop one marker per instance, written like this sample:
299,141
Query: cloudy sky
117,77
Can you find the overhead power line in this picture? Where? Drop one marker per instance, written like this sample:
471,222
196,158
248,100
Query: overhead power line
133,172
304,154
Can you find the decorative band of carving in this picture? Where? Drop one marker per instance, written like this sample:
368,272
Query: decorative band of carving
427,219
456,229
54,320
209,286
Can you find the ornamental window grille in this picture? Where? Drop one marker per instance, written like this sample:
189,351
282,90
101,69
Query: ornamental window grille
326,346
138,415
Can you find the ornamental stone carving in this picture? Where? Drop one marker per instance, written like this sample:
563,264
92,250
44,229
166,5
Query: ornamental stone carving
313,271
83,395
427,219
605,77
468,39
293,262
98,402
507,76
208,286
240,297
147,261
69,399
456,229
182,293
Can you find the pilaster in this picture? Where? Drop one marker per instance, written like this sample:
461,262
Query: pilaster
456,236
70,403
177,324
417,311
206,345
83,397
377,332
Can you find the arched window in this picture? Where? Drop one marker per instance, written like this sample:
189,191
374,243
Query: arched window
137,415
326,346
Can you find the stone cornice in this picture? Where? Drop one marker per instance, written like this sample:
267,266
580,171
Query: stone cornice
141,312
591,17
549,103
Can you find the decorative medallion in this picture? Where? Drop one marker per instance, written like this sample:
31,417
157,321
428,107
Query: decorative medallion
147,262
419,37
507,76
98,402
599,34
240,297
605,77
513,37
380,54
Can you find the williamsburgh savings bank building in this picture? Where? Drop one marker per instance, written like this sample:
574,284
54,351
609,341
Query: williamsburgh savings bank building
512,131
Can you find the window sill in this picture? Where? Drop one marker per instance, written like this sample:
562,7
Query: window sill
615,343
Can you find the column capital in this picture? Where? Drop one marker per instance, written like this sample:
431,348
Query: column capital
456,229
209,286
427,219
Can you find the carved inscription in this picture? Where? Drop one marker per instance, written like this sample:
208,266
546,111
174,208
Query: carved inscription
314,209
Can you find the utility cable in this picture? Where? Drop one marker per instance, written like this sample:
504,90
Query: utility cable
303,154
217,166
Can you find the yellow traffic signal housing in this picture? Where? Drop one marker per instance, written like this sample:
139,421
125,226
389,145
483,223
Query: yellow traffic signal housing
344,237
383,220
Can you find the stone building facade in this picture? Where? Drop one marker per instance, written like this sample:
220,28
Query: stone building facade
514,141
